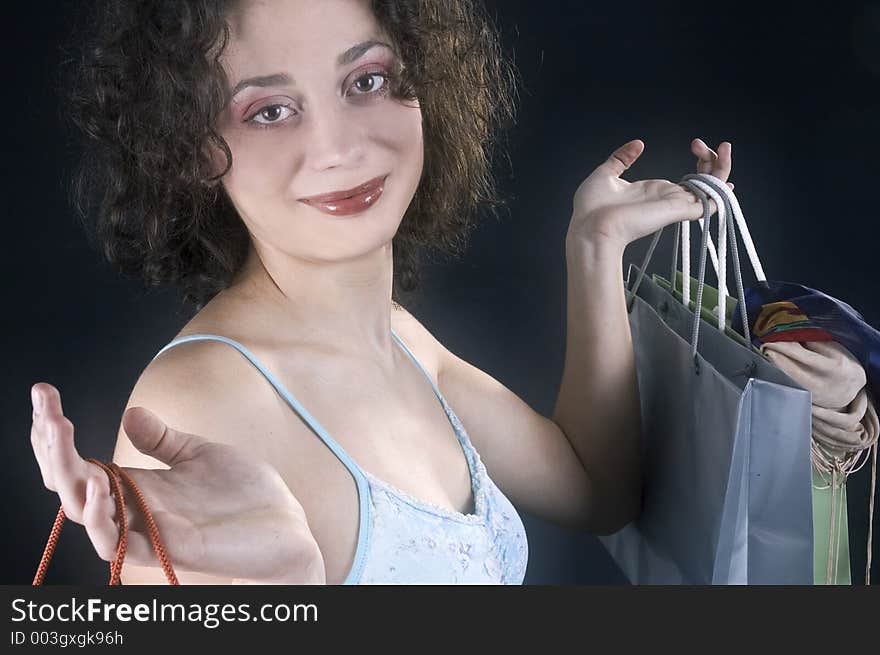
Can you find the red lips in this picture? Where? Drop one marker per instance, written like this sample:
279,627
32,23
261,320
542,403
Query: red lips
350,201
348,193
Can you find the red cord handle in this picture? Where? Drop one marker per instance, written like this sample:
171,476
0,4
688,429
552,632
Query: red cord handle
114,473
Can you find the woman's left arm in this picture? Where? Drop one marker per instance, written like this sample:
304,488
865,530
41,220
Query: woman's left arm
581,467
598,406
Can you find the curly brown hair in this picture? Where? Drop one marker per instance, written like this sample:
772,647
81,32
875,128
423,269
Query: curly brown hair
146,90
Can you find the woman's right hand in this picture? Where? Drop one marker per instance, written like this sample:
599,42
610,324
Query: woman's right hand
219,510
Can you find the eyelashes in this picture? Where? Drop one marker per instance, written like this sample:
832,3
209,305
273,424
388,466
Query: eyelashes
274,108
262,113
385,77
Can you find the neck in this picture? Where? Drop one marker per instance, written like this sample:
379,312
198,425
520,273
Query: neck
346,304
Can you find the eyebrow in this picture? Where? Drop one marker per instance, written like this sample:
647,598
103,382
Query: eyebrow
277,79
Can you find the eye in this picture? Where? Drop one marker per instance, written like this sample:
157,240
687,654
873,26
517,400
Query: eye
367,84
271,114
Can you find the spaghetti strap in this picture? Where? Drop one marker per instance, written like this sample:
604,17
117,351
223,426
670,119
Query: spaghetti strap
457,427
419,364
363,485
313,423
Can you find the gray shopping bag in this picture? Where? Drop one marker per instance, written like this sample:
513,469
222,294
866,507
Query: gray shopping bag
728,495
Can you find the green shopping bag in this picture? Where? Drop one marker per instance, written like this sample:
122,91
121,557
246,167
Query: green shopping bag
825,534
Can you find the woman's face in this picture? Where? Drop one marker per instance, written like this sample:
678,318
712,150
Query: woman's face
315,124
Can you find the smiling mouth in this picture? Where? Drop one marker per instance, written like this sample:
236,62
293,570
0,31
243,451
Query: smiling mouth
341,204
347,193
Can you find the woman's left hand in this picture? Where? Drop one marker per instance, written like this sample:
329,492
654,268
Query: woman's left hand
612,211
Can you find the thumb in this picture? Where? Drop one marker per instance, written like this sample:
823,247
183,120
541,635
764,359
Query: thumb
149,434
622,158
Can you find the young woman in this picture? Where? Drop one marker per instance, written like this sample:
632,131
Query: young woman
284,161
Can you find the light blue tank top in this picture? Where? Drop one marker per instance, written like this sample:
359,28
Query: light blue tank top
404,540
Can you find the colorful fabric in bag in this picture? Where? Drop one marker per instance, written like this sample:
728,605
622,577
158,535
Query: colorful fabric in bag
784,311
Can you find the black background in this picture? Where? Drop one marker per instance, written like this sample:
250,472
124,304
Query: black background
794,87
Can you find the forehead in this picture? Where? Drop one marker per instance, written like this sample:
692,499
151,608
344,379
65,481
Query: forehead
268,29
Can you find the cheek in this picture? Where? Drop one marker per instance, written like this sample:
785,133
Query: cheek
260,166
401,132
256,183
404,127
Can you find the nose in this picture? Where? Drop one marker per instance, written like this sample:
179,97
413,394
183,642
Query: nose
335,138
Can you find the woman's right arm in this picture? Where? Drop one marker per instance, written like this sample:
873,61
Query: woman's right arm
224,515
127,456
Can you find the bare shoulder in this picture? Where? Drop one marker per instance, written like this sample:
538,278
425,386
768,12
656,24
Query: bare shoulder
425,345
201,385
194,387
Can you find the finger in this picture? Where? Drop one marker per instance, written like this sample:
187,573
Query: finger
38,438
706,157
69,471
695,209
103,526
698,206
622,158
99,517
149,434
41,392
695,205
722,165
38,445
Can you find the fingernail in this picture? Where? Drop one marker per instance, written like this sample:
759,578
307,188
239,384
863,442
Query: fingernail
37,401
